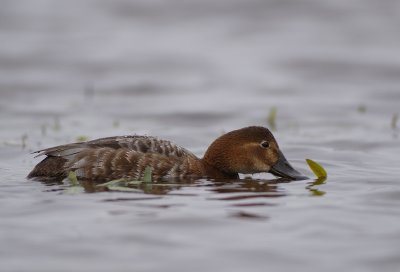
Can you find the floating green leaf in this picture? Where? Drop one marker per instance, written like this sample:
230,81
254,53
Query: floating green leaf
56,124
73,180
362,109
24,138
133,182
147,175
115,124
393,124
82,138
124,189
123,184
316,192
317,169
74,190
75,187
272,118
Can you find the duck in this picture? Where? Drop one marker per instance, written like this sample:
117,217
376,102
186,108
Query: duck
247,150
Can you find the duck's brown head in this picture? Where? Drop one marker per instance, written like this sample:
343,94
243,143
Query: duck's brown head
249,150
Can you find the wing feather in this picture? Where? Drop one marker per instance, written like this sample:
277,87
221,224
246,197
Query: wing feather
115,157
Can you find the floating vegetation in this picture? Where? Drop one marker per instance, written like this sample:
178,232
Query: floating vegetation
120,185
75,186
395,118
315,192
74,190
115,124
43,129
271,119
56,124
147,174
321,174
123,185
115,182
82,138
23,140
317,169
88,92
362,109
145,185
18,143
73,180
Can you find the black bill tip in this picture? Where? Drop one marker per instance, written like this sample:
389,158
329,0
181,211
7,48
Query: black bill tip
282,168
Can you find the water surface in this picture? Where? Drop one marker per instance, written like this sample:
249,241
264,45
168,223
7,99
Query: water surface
187,72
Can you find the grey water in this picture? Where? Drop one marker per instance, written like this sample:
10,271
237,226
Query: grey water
188,71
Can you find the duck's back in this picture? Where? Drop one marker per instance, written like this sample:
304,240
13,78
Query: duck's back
117,157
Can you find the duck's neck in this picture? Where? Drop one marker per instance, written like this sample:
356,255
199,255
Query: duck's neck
212,172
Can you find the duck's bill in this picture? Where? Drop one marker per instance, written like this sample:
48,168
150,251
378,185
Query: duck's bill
282,168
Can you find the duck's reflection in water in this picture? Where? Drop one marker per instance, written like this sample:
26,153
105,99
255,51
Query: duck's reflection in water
255,187
221,189
248,188
244,198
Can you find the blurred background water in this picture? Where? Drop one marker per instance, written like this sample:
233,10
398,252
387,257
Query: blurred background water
188,71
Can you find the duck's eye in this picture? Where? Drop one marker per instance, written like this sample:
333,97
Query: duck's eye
264,144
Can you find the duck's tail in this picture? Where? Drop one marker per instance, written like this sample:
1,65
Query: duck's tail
51,168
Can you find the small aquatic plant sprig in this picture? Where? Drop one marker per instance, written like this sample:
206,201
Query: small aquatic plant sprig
73,180
82,138
74,185
393,123
271,119
317,169
122,185
321,174
362,108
